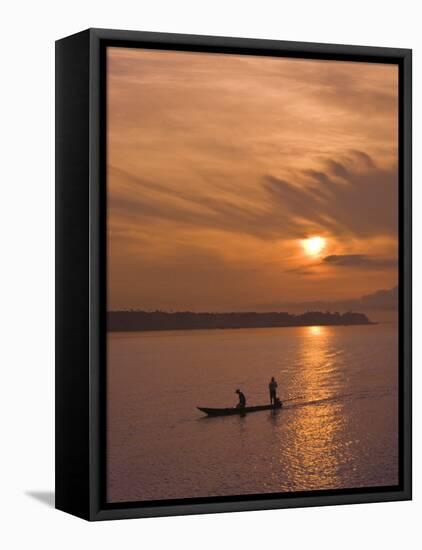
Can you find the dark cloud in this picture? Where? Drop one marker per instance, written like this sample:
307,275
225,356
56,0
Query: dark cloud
360,260
338,169
348,197
361,155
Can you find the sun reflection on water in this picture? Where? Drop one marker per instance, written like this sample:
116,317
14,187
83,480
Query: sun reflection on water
316,331
315,428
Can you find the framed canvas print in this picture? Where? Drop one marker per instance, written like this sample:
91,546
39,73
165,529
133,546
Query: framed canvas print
233,274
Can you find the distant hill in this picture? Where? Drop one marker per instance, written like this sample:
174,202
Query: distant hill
381,300
187,320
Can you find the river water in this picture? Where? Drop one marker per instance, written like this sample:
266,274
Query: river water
338,427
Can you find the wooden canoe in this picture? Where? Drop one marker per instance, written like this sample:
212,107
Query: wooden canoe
237,410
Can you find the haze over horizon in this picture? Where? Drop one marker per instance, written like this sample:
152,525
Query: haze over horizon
244,183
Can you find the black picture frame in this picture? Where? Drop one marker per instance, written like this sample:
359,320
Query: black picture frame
81,274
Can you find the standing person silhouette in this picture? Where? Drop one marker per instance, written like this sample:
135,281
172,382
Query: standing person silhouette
272,386
242,400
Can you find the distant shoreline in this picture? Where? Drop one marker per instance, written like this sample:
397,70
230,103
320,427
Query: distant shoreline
127,321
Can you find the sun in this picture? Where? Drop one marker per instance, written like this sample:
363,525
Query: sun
313,246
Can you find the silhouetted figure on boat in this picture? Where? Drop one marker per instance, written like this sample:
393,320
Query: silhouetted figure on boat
272,386
242,400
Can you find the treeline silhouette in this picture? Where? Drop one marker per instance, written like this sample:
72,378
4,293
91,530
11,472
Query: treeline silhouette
187,320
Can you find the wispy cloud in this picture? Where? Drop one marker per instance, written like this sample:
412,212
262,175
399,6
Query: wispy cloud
218,165
342,196
360,261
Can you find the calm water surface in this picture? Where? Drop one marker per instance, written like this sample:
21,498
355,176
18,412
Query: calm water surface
338,427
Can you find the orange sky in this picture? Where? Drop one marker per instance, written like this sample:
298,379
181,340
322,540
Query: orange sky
220,165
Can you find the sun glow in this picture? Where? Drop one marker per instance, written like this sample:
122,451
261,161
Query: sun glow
314,245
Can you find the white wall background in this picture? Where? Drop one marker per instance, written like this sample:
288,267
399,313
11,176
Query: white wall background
29,29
